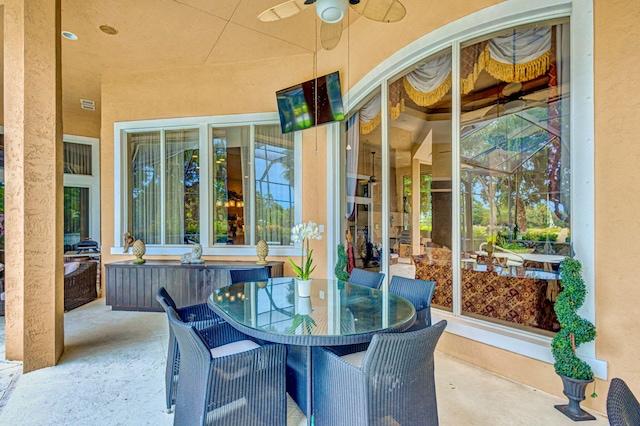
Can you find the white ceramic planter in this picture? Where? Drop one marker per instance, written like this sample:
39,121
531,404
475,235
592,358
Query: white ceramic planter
304,287
304,306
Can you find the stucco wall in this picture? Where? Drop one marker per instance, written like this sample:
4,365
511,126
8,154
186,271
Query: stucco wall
249,87
617,152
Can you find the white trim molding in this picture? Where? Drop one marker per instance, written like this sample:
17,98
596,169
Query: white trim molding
204,124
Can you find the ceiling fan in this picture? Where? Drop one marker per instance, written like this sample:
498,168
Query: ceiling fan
372,179
331,13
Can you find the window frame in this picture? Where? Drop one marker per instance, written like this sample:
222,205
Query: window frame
205,126
92,182
451,36
83,181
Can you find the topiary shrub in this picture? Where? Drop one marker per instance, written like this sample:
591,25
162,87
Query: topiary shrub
341,264
574,330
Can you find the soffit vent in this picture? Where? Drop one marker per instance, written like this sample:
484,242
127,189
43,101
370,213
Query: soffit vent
87,104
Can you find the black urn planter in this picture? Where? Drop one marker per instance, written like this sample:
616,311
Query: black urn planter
574,389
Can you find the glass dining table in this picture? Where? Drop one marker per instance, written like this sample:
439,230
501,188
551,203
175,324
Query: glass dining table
336,313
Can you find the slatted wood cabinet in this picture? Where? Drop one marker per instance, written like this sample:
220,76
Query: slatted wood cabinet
132,287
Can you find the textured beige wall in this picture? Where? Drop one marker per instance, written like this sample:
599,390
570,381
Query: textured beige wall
196,92
617,154
81,123
247,87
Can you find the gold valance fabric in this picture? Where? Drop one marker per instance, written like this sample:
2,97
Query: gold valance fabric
396,98
517,57
473,59
428,83
370,115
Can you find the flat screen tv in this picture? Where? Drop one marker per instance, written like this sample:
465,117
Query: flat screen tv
303,106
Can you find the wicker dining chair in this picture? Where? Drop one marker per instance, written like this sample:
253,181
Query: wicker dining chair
419,293
244,275
226,378
201,317
623,408
366,278
392,382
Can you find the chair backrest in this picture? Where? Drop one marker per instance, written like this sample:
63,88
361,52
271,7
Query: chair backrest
195,358
623,408
254,274
366,278
419,293
163,294
409,378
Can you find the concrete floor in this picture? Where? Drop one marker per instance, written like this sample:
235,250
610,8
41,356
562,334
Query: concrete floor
112,373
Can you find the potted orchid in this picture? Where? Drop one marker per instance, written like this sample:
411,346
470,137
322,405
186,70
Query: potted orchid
304,232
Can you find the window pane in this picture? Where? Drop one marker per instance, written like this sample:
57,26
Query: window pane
77,158
420,156
182,185
76,216
145,186
363,204
274,172
515,175
230,184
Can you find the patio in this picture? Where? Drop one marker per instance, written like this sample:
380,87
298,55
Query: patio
112,373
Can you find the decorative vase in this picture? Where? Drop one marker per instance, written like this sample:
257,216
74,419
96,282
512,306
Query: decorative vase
489,250
304,287
139,249
262,250
304,306
574,389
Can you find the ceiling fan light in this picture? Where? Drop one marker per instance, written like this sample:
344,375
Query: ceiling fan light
331,11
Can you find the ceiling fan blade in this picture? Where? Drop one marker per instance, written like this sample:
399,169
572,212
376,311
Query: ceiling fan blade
381,10
282,11
330,34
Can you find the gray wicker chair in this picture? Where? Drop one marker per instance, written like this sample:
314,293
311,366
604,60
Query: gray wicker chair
201,317
419,293
243,275
393,385
240,387
366,278
623,408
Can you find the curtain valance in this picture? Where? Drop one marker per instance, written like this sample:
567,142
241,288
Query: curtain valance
370,115
516,57
427,84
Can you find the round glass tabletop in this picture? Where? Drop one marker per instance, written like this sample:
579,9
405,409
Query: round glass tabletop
335,313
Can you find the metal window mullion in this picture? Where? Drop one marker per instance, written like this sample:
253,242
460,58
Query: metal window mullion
384,93
206,184
297,180
455,179
163,185
252,186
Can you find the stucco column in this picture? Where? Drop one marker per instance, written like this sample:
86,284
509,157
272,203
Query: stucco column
33,183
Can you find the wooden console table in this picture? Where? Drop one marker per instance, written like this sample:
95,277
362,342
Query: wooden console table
132,287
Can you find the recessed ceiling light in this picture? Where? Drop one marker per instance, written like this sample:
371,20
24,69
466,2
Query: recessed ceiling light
108,30
69,35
